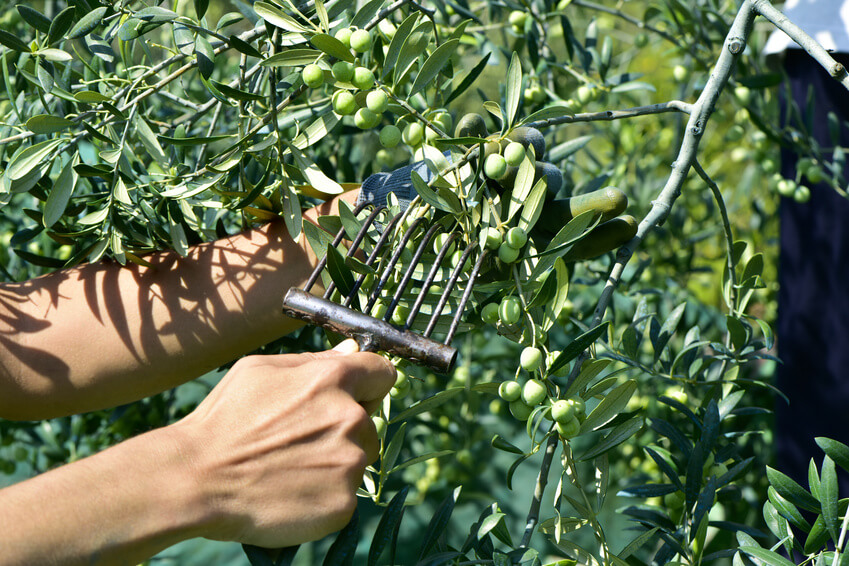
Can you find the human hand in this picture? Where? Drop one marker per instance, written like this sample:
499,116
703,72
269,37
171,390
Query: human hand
280,445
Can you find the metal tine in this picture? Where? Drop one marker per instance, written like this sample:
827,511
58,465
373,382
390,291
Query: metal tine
434,269
466,294
448,287
402,286
378,246
387,271
355,244
336,241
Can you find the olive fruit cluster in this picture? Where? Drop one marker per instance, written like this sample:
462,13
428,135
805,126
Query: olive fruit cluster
790,188
366,108
523,399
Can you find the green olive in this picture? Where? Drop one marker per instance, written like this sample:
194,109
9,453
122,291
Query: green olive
516,237
344,103
313,76
507,253
343,71
531,359
390,136
529,137
489,313
510,310
569,429
514,153
377,101
363,78
361,40
413,134
562,411
366,119
534,392
520,410
510,390
495,167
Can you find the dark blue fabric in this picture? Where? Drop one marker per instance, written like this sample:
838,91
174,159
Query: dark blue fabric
377,187
813,299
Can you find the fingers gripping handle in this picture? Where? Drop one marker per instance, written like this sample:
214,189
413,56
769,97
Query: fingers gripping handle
370,333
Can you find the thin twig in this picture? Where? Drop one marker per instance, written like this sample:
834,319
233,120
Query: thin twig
542,481
609,115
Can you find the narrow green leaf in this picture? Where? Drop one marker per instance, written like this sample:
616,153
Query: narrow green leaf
617,436
12,42
522,185
91,97
787,510
156,15
577,346
276,17
292,58
338,271
469,79
60,194
828,497
386,527
514,88
768,556
533,206
792,491
243,46
47,124
500,443
366,13
611,405
29,158
438,523
428,195
87,23
637,543
332,46
344,548
313,174
35,19
590,369
60,25
837,451
401,35
393,449
427,404
563,240
413,46
149,141
419,459
200,7
205,56
434,64
817,537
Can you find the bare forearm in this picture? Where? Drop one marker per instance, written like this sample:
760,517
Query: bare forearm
118,507
102,335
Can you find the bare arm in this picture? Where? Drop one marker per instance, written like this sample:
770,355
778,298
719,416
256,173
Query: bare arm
271,457
101,335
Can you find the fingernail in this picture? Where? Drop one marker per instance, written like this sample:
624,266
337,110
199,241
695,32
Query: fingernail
348,346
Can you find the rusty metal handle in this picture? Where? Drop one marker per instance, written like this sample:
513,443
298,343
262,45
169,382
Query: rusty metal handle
370,333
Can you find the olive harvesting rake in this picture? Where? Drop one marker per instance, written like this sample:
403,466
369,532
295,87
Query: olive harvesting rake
372,326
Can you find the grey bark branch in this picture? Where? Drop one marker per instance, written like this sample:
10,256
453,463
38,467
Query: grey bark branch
610,115
805,41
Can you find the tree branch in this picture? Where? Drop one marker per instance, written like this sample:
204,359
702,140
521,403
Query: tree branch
805,41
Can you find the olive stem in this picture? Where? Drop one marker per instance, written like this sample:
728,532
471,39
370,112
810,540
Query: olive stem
729,237
609,115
